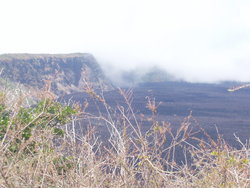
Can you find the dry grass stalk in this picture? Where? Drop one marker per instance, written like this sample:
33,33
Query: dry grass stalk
130,159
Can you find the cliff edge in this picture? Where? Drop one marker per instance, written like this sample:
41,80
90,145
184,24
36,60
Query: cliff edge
66,73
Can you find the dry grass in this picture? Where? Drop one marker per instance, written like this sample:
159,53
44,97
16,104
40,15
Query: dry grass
130,159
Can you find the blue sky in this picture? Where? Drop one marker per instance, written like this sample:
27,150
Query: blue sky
196,40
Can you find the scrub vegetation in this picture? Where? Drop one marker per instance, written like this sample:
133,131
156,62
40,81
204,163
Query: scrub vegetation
40,147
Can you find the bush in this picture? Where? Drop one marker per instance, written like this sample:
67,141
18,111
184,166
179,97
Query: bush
40,147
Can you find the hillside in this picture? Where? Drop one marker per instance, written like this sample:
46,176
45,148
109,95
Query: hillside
65,72
211,105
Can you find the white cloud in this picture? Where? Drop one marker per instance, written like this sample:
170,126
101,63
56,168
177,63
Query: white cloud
206,40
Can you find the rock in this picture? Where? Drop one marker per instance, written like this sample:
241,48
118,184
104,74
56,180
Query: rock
59,73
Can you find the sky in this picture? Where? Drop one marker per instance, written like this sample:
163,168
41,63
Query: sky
195,40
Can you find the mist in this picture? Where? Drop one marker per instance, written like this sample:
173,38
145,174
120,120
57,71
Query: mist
195,41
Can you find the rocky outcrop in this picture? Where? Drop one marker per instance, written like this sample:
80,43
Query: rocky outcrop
65,73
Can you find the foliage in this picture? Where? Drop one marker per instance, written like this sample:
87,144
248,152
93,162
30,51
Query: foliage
27,122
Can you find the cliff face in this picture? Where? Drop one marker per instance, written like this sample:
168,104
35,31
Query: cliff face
65,72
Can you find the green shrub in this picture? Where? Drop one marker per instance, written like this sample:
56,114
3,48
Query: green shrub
46,115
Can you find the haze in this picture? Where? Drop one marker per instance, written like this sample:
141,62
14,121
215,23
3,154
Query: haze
196,40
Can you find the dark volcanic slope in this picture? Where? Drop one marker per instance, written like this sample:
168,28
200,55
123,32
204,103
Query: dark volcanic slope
65,71
211,105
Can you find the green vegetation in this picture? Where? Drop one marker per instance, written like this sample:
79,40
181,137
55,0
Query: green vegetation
39,147
27,121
